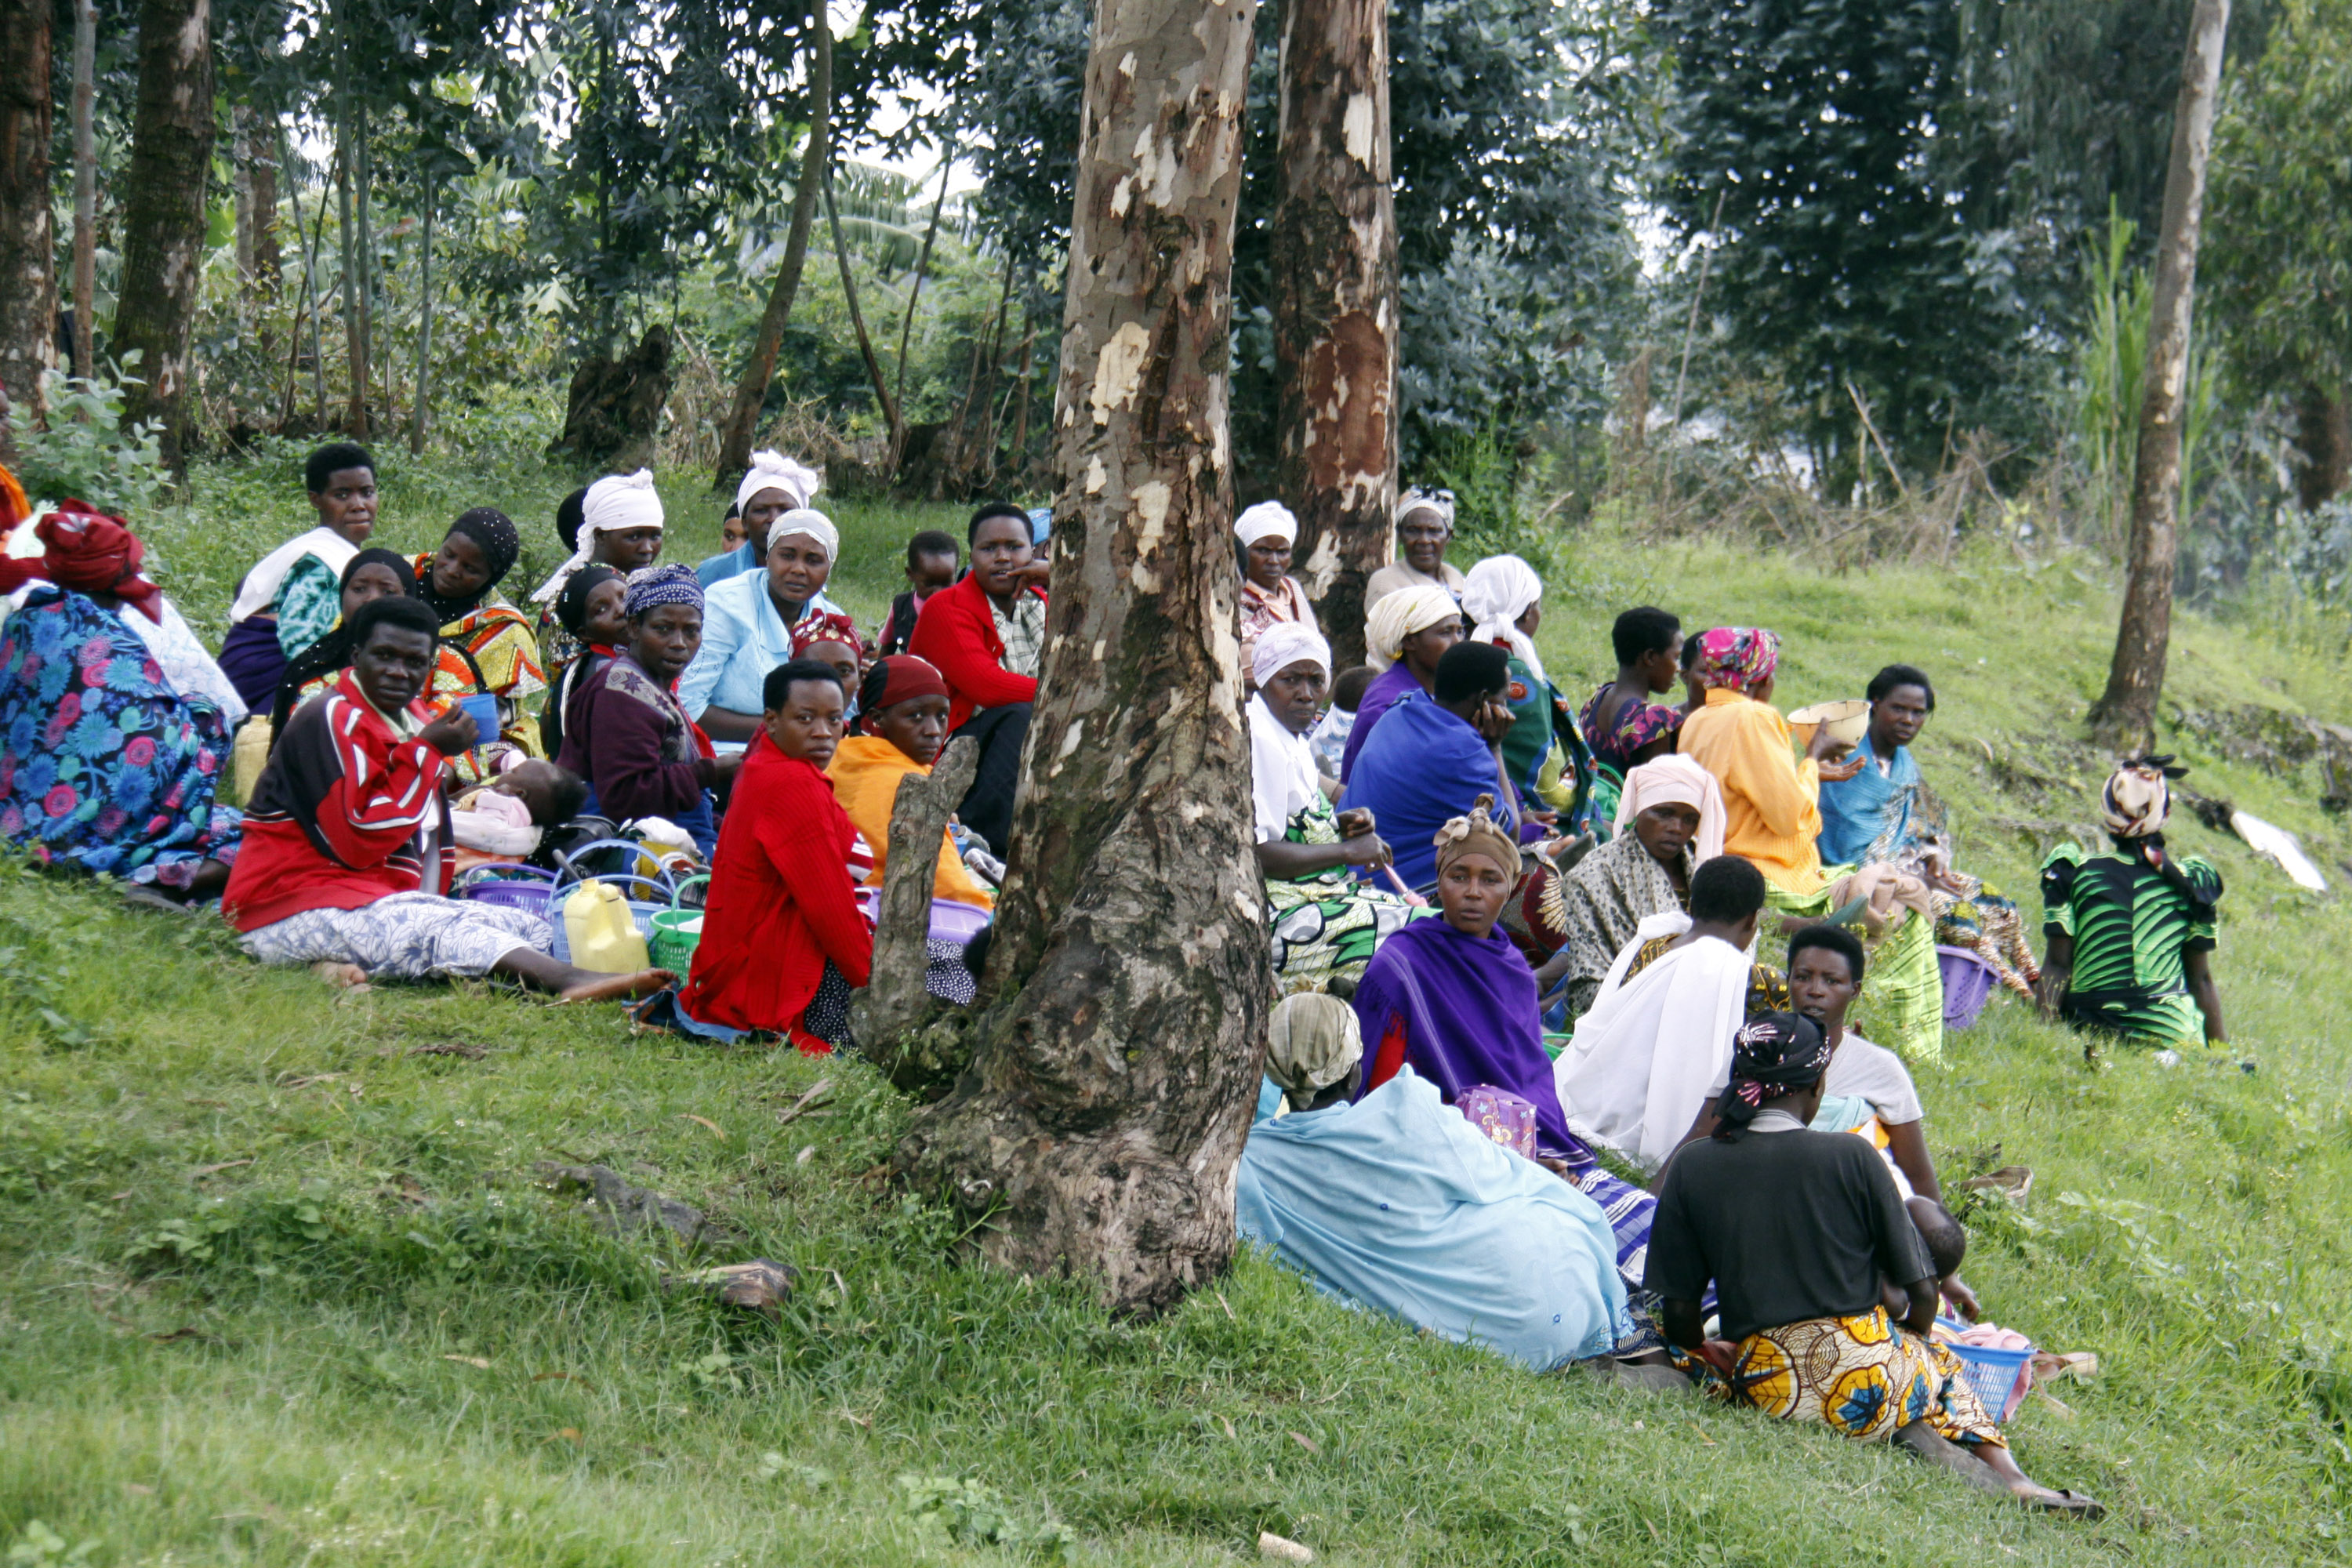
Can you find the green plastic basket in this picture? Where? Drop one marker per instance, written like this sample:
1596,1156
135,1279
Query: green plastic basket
673,945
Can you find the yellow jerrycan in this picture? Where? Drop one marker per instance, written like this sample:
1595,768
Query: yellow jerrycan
604,937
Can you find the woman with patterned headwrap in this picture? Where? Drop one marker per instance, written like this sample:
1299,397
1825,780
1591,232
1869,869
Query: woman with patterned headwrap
625,729
2130,932
1794,1230
752,620
1326,923
1404,637
114,722
486,645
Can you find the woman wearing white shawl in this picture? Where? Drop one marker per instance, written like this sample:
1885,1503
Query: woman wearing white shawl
1326,923
773,486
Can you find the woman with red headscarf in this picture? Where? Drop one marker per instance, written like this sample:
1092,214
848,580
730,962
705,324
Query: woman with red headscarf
114,722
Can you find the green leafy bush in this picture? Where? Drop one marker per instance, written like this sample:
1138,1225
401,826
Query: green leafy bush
87,452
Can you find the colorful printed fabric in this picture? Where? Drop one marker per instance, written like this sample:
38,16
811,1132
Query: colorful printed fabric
1502,1117
2133,929
1328,923
1597,908
403,936
1977,918
488,649
1740,658
1637,725
310,601
1862,1376
102,763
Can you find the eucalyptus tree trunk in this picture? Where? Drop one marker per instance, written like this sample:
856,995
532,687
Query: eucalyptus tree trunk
2125,714
164,213
1123,1014
416,412
816,153
85,157
1335,307
857,327
28,281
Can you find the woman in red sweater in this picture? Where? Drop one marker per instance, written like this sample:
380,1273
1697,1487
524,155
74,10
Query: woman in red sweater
783,941
987,636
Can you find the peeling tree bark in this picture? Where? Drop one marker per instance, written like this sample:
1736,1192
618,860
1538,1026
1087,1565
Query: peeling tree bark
1125,1001
1335,306
164,212
2125,713
28,281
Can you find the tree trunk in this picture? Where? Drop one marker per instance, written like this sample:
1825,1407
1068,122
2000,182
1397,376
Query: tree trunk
164,213
359,294
1020,415
895,1003
751,391
857,320
257,248
355,419
2125,713
424,332
915,289
85,156
2323,445
1126,994
1335,307
28,282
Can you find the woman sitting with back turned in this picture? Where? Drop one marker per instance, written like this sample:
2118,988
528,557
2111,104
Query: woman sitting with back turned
1404,637
625,731
486,645
1433,755
753,619
1503,599
902,707
1454,1000
1326,923
783,943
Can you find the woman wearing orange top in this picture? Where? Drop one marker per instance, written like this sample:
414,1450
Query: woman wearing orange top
903,707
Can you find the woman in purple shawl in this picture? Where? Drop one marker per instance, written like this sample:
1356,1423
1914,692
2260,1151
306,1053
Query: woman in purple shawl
1454,1000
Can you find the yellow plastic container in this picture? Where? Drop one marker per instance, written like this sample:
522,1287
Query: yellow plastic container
604,937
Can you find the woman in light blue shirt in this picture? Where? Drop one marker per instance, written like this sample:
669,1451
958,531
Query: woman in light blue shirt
748,622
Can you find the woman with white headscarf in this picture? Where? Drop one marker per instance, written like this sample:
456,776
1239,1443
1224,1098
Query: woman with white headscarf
773,486
1326,923
1265,533
1404,637
2131,932
1425,526
1669,822
1504,597
754,621
620,526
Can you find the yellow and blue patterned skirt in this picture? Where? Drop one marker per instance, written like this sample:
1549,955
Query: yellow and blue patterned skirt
1863,1376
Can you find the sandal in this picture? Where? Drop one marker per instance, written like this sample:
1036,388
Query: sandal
2074,1505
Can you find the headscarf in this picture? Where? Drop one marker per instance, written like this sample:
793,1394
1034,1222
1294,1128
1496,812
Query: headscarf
1772,1054
815,525
2138,797
1266,520
332,651
1312,1042
1399,615
1495,595
571,605
650,587
1287,643
495,532
1677,781
1418,499
901,677
1476,833
772,470
89,551
1740,658
613,504
826,626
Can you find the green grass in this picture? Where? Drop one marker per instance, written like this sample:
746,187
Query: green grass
254,1240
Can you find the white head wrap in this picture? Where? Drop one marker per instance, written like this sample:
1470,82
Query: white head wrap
1283,644
772,470
613,504
1399,615
1418,499
815,525
1495,595
1675,780
1266,520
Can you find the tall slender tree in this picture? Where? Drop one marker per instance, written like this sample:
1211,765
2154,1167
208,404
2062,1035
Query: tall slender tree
1125,1002
1334,260
164,212
28,282
85,158
2125,713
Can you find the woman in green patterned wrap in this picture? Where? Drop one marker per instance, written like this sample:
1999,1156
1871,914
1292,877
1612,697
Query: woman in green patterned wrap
2131,932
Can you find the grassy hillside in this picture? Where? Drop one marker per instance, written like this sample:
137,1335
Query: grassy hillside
278,1283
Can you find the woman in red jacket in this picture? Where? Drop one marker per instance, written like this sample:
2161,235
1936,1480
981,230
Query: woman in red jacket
783,941
987,636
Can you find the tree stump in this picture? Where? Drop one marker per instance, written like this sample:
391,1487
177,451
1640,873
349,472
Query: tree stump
894,1002
615,408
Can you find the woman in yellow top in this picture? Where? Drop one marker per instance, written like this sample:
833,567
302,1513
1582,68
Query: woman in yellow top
1773,817
903,705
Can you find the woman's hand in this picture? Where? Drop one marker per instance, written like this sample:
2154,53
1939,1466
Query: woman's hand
1494,721
1838,773
1355,822
1364,849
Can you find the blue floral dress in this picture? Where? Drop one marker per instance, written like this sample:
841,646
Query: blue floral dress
102,763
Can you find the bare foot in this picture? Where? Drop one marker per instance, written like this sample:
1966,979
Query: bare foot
618,988
349,976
